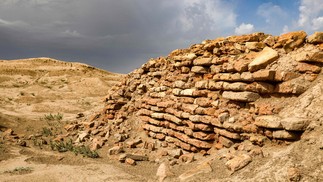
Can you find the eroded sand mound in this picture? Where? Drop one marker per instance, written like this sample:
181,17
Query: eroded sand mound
33,88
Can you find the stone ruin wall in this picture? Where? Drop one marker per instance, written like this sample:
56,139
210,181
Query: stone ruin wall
221,91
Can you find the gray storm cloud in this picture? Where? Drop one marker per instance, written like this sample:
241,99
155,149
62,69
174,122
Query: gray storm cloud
117,35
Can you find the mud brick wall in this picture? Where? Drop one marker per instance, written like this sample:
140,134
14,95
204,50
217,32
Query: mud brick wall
221,91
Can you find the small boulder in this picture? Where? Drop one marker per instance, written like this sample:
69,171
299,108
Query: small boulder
295,124
238,162
130,161
316,38
291,40
115,150
269,121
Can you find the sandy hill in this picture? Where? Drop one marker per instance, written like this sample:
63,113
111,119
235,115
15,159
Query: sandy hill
33,88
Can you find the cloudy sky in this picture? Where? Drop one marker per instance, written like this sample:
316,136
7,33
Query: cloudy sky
121,35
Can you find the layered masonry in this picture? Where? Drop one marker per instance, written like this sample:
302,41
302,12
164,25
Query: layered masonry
219,92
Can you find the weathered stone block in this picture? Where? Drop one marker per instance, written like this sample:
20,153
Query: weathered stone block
234,127
254,46
236,86
291,40
190,108
115,150
215,85
269,121
241,96
246,76
304,67
204,136
295,124
225,141
316,38
157,115
153,128
185,69
195,118
202,84
265,57
202,62
260,87
238,162
241,65
187,92
283,134
199,69
285,76
200,93
295,86
203,101
177,91
179,84
165,104
264,75
227,134
215,69
173,119
316,57
270,41
223,116
189,56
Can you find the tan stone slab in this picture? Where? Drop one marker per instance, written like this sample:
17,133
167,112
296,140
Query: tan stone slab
202,61
199,69
283,134
265,57
227,133
241,96
295,124
269,121
316,38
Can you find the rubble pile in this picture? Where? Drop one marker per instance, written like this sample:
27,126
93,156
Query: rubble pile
212,95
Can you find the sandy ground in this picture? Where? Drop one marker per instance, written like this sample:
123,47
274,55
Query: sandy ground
49,166
33,88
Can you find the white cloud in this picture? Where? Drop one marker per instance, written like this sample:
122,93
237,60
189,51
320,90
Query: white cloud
69,33
244,29
208,16
285,29
311,14
317,23
271,12
12,23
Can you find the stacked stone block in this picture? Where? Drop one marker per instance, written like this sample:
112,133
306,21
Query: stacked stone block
210,94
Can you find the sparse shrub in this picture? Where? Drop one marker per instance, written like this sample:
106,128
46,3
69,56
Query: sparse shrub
53,117
68,146
86,151
39,142
20,170
47,132
61,146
